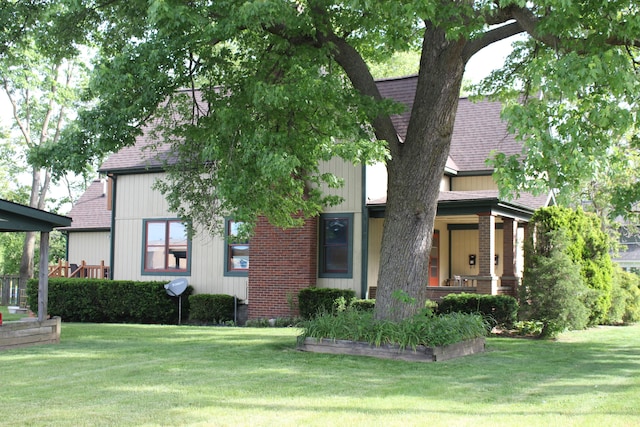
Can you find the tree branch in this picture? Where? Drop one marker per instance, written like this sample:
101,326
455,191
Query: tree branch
360,76
529,22
490,37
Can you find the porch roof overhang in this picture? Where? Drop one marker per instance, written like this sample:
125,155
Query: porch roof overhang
459,203
15,217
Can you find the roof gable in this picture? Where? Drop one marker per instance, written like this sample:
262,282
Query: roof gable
90,211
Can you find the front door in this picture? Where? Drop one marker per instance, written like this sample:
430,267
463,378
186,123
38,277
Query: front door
434,260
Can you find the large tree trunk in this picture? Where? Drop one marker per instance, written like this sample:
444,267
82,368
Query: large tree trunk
414,175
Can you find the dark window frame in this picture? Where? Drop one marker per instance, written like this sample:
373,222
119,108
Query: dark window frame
229,245
323,246
167,270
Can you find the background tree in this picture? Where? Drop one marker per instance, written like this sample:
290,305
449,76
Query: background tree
296,89
39,79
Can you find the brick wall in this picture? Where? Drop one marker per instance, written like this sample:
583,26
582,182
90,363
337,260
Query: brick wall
282,263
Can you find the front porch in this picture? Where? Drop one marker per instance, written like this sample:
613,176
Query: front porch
477,247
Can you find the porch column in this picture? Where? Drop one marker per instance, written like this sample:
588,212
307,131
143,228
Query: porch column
487,280
509,257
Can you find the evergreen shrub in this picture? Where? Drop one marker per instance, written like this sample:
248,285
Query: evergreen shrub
498,310
110,301
312,301
587,246
553,290
625,297
211,308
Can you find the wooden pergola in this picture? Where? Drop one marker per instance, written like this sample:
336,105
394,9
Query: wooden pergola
15,217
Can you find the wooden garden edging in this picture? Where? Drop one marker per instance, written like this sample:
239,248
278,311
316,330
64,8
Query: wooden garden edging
420,354
22,333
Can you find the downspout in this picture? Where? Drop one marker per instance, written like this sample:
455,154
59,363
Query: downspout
364,273
112,239
65,233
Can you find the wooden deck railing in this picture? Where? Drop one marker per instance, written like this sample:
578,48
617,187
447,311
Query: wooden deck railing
84,270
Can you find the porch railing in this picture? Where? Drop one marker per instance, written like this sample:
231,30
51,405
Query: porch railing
84,270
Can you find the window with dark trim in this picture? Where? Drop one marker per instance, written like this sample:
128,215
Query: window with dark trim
166,247
236,251
336,245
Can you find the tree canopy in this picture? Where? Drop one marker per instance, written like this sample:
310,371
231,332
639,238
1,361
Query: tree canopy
283,85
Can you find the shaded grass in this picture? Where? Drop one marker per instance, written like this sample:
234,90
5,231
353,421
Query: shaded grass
169,375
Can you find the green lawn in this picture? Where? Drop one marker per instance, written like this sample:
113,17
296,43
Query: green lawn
124,375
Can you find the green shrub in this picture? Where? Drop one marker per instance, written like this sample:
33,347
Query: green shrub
212,308
110,301
553,291
587,247
278,322
498,310
312,301
356,325
625,297
363,304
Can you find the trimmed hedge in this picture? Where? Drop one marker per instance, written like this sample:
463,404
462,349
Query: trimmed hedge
110,301
211,308
503,309
312,301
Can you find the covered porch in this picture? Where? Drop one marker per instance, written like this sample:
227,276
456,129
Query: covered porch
477,244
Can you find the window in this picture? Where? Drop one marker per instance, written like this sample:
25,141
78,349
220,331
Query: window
336,245
236,251
166,247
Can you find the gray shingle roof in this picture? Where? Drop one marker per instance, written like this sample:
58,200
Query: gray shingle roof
477,131
90,211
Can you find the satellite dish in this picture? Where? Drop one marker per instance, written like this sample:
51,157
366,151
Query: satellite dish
176,287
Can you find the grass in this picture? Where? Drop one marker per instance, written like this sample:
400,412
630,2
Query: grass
7,317
124,375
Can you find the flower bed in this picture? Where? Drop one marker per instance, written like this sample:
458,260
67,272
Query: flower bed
420,354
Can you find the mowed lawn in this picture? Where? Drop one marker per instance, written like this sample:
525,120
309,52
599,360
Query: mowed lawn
130,375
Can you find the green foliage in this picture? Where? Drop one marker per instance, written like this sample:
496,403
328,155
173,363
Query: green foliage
625,298
363,304
553,291
498,310
587,247
110,301
312,301
358,325
212,309
285,86
278,322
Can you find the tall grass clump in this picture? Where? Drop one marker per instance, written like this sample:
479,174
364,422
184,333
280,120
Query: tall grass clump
429,331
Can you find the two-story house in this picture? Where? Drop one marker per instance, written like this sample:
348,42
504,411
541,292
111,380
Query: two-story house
477,245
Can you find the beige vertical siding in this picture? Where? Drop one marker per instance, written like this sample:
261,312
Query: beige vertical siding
471,183
135,202
93,247
465,243
351,193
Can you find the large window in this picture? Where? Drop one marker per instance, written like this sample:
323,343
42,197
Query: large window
236,250
336,245
166,247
